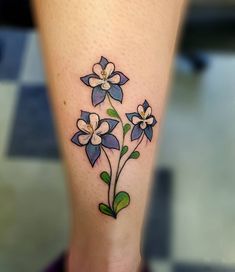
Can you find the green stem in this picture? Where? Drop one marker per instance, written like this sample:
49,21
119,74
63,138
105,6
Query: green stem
110,173
122,144
141,139
111,104
119,170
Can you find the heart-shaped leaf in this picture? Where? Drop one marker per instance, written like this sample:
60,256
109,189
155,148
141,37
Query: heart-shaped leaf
105,209
121,201
112,113
135,155
105,177
124,150
126,128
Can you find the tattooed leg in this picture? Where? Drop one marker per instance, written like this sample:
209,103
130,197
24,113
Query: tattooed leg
108,64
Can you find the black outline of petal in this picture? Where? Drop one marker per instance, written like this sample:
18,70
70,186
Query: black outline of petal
92,164
154,120
114,137
118,73
92,96
146,102
146,134
84,112
107,120
101,60
112,71
99,124
134,114
132,132
90,76
81,133
112,96
77,123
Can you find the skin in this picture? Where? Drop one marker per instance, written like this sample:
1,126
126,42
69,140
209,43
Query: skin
139,37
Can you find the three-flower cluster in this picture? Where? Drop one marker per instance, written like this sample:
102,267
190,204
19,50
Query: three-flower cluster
96,134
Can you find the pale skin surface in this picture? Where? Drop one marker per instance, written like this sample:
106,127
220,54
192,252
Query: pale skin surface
139,37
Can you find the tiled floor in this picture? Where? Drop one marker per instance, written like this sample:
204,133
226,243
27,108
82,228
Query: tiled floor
200,135
192,217
32,101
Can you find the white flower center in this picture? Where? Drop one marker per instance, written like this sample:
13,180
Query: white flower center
104,75
90,128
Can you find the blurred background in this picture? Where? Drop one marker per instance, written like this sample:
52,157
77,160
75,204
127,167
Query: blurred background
191,223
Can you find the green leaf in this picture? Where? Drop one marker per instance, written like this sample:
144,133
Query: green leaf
126,128
112,113
105,209
124,150
121,201
135,155
105,177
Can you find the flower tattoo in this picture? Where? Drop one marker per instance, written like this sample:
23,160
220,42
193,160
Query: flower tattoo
105,81
143,121
96,134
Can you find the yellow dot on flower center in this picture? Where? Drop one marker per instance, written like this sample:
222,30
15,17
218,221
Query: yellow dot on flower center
104,74
90,128
142,113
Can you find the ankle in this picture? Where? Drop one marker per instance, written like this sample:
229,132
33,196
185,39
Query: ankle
103,261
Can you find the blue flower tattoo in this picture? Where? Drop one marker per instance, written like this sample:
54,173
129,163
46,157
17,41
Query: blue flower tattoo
95,134
143,121
105,81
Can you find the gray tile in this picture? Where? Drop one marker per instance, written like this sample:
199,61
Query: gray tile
32,70
201,268
12,45
32,231
158,229
161,266
8,96
33,131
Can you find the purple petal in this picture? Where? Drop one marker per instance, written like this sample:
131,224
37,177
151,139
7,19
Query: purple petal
98,95
123,78
103,62
149,132
75,138
93,153
136,132
85,115
112,123
154,121
131,115
145,105
110,141
116,92
85,79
